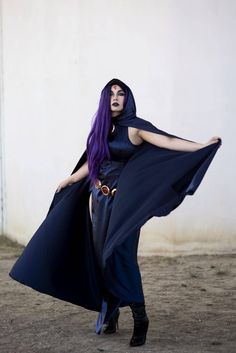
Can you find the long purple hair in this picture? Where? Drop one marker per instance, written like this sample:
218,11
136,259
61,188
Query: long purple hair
97,141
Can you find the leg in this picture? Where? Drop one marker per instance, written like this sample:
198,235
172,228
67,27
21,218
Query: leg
100,210
123,265
112,324
100,214
90,206
141,323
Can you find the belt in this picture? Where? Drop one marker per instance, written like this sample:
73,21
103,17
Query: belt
104,188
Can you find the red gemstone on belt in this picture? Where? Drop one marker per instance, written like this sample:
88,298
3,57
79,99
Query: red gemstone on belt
105,189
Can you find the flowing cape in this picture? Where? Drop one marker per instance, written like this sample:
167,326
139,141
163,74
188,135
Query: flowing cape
59,259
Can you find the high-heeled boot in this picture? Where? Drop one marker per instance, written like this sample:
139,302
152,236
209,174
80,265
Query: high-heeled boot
112,324
141,323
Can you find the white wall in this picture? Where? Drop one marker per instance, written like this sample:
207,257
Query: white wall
1,129
178,58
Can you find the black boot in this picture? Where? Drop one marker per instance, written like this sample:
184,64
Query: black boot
112,323
140,324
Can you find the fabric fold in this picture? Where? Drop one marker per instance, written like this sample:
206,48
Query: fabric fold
59,259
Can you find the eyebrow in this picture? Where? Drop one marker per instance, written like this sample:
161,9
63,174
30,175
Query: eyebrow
120,90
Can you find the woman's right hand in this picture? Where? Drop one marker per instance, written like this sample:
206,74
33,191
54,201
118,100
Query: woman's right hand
64,183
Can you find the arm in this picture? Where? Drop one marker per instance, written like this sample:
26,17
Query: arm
81,173
173,143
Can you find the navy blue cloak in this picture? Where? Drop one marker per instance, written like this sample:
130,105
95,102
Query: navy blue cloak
59,260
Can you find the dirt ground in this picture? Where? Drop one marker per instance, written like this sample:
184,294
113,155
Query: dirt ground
191,304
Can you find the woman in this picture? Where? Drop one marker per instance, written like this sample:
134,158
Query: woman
129,172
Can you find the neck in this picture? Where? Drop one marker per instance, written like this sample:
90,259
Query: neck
115,114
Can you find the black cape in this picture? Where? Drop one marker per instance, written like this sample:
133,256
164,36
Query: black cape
59,259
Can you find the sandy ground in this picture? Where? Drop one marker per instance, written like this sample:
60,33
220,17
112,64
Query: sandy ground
191,304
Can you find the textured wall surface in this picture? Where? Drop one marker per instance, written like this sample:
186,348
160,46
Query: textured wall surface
178,57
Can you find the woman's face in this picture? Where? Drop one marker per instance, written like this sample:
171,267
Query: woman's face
117,95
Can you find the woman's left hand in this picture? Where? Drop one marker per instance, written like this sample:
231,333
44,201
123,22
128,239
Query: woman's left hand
212,140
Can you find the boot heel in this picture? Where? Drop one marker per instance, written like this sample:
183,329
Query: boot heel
112,325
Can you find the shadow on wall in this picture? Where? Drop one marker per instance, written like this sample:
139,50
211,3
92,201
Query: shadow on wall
191,243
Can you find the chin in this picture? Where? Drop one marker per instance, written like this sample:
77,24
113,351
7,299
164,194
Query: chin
116,112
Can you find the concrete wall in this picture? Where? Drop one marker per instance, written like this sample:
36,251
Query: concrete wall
178,57
1,129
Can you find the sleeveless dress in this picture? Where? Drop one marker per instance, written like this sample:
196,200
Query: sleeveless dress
121,149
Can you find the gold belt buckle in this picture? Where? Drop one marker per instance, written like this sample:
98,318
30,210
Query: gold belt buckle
104,188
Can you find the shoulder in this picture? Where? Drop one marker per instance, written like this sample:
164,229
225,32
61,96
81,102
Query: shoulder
134,129
134,135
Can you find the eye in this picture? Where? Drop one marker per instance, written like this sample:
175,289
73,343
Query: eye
121,94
